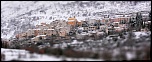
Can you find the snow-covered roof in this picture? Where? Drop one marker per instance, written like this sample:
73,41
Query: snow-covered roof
40,35
115,22
74,42
80,28
71,20
118,16
50,29
84,33
33,38
93,31
79,20
100,32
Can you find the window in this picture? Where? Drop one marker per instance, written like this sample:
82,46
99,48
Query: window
122,21
106,20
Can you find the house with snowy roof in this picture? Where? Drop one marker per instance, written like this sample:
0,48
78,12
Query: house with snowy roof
72,21
30,32
91,20
49,32
62,31
145,15
79,23
85,25
43,26
103,27
18,36
105,21
21,36
36,32
39,37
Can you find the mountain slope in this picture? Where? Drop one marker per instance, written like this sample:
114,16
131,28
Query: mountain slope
16,15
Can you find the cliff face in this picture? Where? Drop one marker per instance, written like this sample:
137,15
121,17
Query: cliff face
16,15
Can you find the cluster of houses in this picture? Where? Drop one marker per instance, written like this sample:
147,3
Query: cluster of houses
78,27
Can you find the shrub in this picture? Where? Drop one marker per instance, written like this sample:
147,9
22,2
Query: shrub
106,55
56,51
41,51
32,49
16,60
2,57
95,55
47,50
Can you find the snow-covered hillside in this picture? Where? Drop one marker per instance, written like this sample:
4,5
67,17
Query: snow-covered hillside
16,16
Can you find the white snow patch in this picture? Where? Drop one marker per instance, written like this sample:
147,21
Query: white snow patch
74,42
37,57
130,55
139,33
84,33
80,28
116,52
80,18
38,22
8,36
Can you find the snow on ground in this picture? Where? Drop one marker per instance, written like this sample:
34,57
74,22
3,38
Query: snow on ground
8,36
38,22
74,42
140,33
130,55
116,52
80,18
42,58
13,54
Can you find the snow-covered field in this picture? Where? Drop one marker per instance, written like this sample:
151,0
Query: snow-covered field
11,54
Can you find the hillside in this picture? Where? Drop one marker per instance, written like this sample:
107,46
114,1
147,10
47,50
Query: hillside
16,15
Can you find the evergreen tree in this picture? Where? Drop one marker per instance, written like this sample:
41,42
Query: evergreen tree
132,22
139,20
150,16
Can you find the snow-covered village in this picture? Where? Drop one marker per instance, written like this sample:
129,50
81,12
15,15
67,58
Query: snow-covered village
75,30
